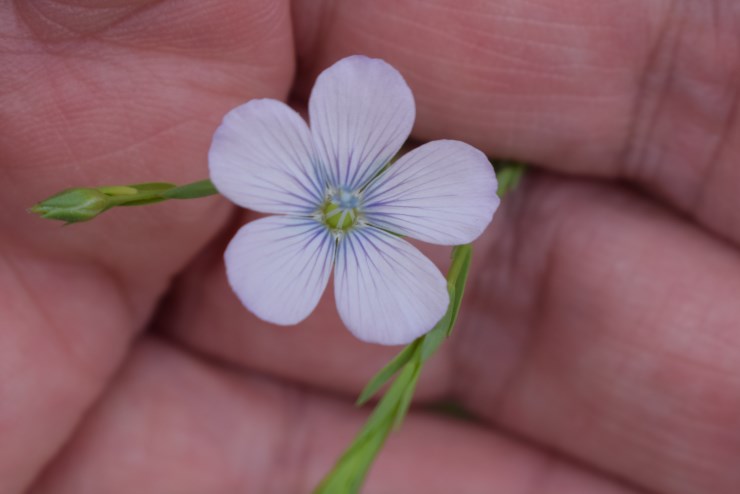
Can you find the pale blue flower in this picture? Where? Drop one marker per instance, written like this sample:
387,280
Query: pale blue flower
337,204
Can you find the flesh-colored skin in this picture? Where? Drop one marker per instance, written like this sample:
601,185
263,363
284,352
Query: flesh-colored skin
600,341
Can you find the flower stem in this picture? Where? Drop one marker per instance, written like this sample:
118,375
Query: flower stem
350,471
509,174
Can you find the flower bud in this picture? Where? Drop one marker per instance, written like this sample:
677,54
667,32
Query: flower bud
73,205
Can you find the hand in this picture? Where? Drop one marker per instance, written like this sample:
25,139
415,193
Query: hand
599,346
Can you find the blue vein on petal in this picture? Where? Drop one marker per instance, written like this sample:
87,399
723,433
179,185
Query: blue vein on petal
376,162
307,231
377,134
317,250
383,249
343,179
277,189
296,158
384,192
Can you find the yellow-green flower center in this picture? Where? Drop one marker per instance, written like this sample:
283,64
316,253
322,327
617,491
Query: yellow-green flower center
340,211
339,218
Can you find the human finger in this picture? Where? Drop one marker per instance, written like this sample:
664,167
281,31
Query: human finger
604,281
99,93
174,424
606,328
638,90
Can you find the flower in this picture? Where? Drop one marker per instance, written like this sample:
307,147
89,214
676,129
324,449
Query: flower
338,203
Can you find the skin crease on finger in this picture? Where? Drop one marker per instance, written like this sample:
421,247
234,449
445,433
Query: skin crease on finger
518,103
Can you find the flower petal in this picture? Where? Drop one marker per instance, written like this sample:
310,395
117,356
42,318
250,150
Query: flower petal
386,290
361,112
279,266
443,192
262,158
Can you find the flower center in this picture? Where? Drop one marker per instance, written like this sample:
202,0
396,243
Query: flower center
340,211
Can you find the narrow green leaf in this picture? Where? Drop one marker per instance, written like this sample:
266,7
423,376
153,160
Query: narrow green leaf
408,394
142,202
509,174
434,338
118,190
458,279
387,372
349,475
387,405
194,190
148,187
352,467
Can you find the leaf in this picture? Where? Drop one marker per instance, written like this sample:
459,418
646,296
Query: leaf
142,202
509,175
194,190
352,467
118,190
387,372
407,395
458,279
433,339
147,187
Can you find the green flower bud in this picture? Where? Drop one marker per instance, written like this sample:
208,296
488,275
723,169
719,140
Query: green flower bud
73,205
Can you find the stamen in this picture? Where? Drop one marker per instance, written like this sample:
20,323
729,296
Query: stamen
340,211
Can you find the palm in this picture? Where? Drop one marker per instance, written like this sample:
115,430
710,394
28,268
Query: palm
599,323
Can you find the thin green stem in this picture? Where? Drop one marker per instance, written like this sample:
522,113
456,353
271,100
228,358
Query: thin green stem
350,471
83,204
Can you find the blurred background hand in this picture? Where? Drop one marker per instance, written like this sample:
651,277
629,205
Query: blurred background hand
599,345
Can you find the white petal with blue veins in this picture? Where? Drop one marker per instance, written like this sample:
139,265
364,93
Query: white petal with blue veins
443,192
262,158
386,290
279,266
361,112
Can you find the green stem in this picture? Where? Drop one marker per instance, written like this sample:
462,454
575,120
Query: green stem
83,204
509,174
353,466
